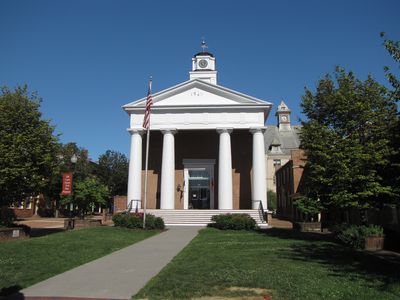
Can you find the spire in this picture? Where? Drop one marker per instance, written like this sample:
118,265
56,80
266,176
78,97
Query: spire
283,107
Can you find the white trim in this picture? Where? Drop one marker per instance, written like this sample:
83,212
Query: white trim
212,88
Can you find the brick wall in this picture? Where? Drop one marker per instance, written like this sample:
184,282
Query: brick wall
299,160
23,212
119,203
288,184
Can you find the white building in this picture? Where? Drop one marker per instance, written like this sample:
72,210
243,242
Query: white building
207,150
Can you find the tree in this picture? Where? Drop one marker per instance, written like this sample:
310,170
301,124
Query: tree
112,170
81,170
87,194
393,176
347,143
28,147
393,47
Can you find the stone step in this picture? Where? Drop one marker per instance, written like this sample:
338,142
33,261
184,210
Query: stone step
199,217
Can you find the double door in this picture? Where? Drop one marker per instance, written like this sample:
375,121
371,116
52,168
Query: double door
199,187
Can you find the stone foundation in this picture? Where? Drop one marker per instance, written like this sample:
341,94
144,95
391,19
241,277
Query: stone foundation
13,233
307,226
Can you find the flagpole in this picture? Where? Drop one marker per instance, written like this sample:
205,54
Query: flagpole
145,176
147,164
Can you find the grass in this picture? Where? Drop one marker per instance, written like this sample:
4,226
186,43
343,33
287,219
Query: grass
286,264
25,262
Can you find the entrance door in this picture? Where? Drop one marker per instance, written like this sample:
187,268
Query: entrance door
199,188
198,184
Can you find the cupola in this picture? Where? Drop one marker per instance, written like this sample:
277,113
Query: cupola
203,66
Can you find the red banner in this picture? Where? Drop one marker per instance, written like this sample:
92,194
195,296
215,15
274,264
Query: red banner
66,184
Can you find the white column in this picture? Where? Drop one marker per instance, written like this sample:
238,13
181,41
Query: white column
259,184
135,168
167,200
225,169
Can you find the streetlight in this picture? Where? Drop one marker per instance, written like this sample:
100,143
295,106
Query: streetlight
74,160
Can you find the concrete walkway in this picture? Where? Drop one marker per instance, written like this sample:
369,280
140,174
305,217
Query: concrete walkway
119,275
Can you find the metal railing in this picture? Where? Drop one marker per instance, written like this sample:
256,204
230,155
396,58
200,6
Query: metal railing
261,211
130,206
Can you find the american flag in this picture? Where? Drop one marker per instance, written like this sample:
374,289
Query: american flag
149,103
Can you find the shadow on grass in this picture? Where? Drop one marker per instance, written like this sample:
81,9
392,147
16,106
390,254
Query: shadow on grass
10,291
380,270
291,234
37,232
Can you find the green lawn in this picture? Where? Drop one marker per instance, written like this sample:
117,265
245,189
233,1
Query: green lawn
25,262
287,264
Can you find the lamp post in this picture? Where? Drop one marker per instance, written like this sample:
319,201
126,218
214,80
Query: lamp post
74,160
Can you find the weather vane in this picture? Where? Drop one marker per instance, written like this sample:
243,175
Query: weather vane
203,44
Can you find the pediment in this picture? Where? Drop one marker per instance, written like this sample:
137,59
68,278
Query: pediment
197,93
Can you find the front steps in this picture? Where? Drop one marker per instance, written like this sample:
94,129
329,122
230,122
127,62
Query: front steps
200,217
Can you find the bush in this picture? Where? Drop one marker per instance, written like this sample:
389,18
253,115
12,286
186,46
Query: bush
271,196
355,235
7,217
136,221
233,222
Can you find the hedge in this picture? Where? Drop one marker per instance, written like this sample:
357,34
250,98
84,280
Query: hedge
233,222
136,221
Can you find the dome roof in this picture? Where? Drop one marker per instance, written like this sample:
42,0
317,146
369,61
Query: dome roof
204,54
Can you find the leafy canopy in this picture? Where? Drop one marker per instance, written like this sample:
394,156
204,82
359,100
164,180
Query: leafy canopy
347,139
112,170
393,47
87,193
28,146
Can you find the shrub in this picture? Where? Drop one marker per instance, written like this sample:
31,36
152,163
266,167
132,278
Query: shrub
136,221
355,235
271,196
7,216
233,222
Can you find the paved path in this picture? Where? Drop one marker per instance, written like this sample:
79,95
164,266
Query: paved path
120,274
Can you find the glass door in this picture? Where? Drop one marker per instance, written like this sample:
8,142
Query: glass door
199,188
199,185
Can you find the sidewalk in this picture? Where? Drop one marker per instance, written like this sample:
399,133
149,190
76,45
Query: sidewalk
119,275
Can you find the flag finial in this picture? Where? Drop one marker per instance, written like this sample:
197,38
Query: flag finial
203,44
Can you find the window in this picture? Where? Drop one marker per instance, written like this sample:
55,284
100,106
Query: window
277,162
28,203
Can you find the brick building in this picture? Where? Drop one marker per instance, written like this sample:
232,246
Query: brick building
288,185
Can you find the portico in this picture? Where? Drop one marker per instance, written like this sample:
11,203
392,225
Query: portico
206,146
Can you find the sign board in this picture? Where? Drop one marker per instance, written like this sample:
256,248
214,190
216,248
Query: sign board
66,184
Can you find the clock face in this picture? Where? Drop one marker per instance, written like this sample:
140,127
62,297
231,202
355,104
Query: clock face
203,63
284,118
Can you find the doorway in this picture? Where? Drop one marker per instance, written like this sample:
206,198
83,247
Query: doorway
199,184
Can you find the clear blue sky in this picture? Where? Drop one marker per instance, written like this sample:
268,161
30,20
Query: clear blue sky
88,58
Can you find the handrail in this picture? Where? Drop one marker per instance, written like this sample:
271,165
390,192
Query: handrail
130,206
261,211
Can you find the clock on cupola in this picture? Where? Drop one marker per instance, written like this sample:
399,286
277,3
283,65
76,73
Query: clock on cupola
203,66
283,115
